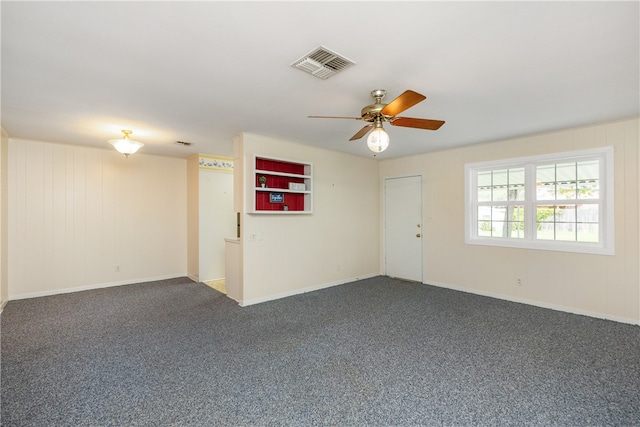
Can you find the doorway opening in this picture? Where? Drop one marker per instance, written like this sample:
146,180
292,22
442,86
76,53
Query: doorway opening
218,285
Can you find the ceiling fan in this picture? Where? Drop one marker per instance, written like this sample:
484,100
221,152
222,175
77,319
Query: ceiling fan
378,113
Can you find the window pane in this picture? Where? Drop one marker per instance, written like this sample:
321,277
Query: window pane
499,194
588,189
566,190
484,213
546,182
545,229
484,179
517,213
587,213
499,177
499,185
588,233
566,213
588,179
498,213
589,169
500,229
516,184
498,218
566,231
484,221
566,185
484,228
587,219
484,194
517,230
484,186
516,219
544,213
566,172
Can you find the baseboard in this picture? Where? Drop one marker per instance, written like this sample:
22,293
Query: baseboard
90,287
556,307
272,297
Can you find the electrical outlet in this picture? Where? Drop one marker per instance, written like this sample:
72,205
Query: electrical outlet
253,237
117,269
519,281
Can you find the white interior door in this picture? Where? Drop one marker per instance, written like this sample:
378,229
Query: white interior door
403,227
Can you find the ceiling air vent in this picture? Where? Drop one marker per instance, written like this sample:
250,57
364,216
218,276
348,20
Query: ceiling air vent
322,63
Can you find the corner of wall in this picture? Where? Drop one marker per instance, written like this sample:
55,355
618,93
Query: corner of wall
637,137
4,209
193,242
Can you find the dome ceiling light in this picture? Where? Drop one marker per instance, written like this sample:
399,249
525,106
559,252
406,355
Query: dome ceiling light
126,145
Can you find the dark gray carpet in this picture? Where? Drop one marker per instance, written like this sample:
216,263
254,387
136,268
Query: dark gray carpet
378,352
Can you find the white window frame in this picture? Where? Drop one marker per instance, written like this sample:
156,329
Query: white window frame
605,245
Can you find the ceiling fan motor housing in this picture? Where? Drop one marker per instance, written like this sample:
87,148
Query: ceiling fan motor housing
370,112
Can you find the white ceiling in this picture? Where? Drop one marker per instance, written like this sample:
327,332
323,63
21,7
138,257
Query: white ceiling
202,72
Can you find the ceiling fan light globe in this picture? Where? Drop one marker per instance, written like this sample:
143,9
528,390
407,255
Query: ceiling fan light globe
378,140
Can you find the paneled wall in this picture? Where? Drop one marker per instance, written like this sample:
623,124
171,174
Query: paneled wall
596,285
82,217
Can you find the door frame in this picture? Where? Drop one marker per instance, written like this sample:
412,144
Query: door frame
384,220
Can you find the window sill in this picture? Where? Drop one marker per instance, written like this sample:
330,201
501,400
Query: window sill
582,248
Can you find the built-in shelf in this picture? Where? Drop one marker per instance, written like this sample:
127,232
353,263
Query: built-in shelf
282,186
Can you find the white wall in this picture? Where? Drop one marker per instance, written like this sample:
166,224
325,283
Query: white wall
597,285
217,221
4,218
76,213
336,244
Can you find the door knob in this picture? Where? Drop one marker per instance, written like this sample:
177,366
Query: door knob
418,235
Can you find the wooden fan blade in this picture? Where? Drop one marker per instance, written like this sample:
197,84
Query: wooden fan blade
409,122
407,100
362,132
333,117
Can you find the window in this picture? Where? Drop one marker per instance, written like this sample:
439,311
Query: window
558,202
